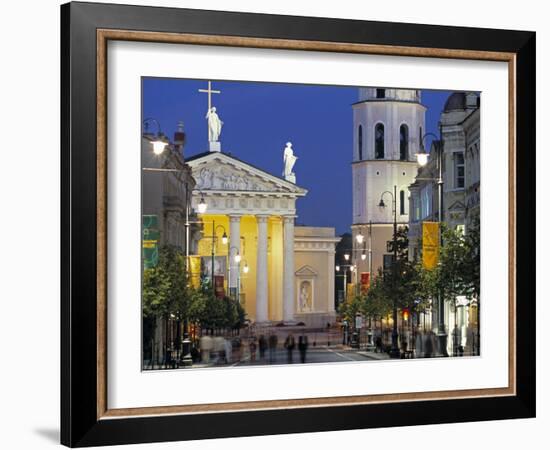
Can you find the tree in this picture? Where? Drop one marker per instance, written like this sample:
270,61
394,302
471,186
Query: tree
165,294
165,286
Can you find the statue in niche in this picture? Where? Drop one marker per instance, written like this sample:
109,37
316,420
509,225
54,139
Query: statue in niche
305,296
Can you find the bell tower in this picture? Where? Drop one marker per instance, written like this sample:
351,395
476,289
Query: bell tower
388,125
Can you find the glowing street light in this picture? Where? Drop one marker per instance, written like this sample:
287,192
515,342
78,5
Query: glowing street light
158,146
360,238
202,206
159,143
237,257
422,157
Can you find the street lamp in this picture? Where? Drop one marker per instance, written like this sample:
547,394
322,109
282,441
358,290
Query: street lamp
202,206
159,144
394,352
422,158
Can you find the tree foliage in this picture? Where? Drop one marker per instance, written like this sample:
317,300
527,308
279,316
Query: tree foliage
167,293
407,284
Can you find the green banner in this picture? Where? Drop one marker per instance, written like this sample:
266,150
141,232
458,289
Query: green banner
150,241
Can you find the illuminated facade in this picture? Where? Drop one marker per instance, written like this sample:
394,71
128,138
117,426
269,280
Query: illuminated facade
282,272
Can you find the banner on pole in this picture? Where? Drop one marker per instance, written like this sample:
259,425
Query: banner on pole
365,282
219,286
430,244
150,239
195,271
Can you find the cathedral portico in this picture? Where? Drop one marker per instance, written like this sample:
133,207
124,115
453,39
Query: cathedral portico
258,210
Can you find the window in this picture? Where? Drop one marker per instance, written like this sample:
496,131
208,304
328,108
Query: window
459,169
360,142
402,206
380,93
420,137
379,141
403,142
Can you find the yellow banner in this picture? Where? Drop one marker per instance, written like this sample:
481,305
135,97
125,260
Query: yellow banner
195,271
350,291
430,244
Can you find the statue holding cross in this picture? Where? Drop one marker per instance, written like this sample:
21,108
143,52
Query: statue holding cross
214,122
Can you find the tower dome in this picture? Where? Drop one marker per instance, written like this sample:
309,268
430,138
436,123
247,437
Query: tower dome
456,101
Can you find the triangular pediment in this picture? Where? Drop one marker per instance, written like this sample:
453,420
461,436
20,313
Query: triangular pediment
457,206
306,271
216,171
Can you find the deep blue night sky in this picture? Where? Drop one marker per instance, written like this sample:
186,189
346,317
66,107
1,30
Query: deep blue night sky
259,118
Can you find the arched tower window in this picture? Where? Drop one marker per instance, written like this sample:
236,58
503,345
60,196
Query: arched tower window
403,142
360,142
402,206
379,141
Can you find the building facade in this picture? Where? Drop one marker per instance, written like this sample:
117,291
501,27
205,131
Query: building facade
460,144
167,184
289,275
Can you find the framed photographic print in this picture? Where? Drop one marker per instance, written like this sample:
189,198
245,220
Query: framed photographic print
275,224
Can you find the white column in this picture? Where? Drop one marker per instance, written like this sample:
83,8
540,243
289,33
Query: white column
234,246
261,270
288,269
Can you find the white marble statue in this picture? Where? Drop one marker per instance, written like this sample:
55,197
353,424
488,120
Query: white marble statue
304,296
289,161
214,125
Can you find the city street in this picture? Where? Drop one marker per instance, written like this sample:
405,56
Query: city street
319,354
322,354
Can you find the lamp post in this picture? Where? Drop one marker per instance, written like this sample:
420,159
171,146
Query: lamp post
422,158
214,239
394,352
245,271
237,259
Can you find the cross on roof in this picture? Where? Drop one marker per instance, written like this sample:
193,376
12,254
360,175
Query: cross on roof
209,91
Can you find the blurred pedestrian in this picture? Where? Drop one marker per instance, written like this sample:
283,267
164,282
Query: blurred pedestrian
272,347
262,344
228,351
218,352
429,345
252,347
206,346
378,344
289,345
302,347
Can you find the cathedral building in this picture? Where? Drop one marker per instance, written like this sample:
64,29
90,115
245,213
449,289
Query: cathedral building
279,271
388,125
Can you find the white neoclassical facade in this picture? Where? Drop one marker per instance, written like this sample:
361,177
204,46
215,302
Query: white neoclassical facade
256,211
388,125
